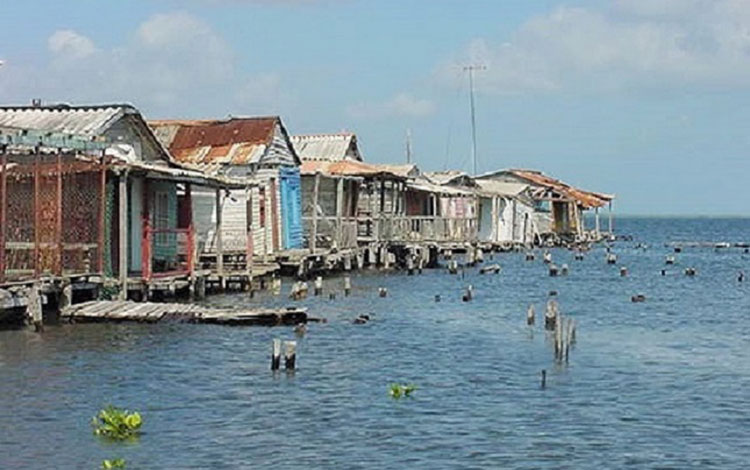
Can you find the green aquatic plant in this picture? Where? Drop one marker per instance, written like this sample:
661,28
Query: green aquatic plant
114,463
117,424
401,390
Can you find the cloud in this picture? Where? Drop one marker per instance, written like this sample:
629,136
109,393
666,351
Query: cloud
403,104
634,44
68,43
173,64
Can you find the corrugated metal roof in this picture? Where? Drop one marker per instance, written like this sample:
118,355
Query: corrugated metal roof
208,143
327,147
347,168
587,199
424,184
78,120
501,188
447,176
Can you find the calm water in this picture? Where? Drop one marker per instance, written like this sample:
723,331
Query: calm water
660,384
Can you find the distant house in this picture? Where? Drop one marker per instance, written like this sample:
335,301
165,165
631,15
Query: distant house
558,207
327,147
89,189
330,198
257,150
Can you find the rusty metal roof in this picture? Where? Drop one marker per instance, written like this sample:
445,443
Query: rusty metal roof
348,168
327,147
64,119
211,143
587,199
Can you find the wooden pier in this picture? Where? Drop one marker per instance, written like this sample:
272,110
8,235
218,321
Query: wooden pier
148,312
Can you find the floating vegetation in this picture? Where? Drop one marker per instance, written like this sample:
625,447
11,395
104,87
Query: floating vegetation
114,463
401,390
116,424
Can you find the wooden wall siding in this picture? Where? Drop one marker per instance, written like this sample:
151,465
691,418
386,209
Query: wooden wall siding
280,152
234,223
484,220
125,130
263,240
291,207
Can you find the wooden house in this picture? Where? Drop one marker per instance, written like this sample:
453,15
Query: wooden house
90,190
258,151
558,207
330,198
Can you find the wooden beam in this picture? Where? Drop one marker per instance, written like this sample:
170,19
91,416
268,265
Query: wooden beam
37,214
102,214
3,209
250,237
274,216
58,217
314,234
596,222
219,236
123,234
611,221
146,232
339,210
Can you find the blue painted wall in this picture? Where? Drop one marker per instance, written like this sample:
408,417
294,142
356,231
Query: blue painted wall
291,207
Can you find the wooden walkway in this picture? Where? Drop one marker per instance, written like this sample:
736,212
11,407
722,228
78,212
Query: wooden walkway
149,312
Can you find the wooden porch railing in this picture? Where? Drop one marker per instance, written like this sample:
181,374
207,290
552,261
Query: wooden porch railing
182,263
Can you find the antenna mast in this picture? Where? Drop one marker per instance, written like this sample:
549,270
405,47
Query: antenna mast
471,69
408,145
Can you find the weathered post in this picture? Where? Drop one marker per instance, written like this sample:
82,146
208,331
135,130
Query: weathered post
276,354
530,315
314,232
564,269
318,285
290,355
547,257
550,315
34,309
544,378
347,286
553,270
410,264
382,292
611,258
623,271
123,234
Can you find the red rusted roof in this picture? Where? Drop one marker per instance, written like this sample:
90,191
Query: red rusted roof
348,168
587,199
235,141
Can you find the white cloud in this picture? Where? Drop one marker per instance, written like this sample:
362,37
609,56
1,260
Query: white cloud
68,43
403,104
173,64
635,44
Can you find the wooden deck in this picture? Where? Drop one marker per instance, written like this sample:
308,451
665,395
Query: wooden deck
149,312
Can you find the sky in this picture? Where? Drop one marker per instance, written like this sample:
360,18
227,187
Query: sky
645,99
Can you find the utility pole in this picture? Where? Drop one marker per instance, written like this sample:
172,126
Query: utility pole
471,69
408,145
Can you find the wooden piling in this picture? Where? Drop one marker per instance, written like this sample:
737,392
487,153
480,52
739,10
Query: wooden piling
623,271
544,378
290,355
530,315
276,354
347,286
318,285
